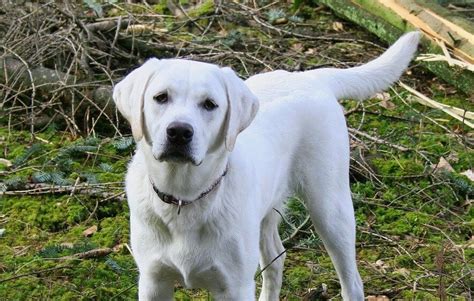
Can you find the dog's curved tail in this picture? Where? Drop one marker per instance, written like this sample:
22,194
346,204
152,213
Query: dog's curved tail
375,76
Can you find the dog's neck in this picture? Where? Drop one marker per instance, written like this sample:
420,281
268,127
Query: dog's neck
185,180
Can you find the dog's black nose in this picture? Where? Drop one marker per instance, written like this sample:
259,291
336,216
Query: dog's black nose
179,133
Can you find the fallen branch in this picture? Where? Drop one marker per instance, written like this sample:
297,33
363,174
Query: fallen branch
101,252
36,272
85,189
104,26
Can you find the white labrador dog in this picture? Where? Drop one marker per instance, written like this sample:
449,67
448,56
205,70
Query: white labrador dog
210,169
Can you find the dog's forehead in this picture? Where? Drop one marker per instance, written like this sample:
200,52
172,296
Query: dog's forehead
189,70
179,75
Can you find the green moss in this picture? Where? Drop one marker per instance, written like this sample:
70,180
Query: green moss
161,8
398,167
205,8
298,277
45,214
112,231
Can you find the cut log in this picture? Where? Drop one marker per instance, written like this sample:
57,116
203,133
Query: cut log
388,19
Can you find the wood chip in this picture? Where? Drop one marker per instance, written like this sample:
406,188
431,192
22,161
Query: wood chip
90,231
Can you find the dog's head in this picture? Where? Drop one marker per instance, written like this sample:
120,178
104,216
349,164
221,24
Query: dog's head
185,109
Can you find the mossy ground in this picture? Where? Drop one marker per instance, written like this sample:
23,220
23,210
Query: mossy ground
414,226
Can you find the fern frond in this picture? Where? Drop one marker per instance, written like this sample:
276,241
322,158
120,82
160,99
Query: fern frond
123,143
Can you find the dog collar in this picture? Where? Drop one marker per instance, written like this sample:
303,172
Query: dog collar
170,199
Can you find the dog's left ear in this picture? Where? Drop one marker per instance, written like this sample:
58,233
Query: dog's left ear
129,95
242,106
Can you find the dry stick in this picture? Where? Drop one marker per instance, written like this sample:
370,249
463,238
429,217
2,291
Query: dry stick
271,262
107,25
445,108
36,272
117,31
298,229
421,114
40,189
33,92
101,252
378,140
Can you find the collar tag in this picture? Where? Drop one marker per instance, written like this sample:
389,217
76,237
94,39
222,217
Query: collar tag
180,204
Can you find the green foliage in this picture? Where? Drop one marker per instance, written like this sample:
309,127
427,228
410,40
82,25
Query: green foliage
123,143
50,177
56,251
32,150
94,5
106,167
233,38
14,182
275,14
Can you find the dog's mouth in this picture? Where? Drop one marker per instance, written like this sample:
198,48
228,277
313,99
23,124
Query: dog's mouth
177,155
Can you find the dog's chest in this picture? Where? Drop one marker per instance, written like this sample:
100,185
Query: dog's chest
199,265
202,262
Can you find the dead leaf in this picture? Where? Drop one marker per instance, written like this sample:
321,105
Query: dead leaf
469,174
310,51
381,265
387,104
402,271
298,47
337,26
442,166
382,96
90,231
280,21
5,162
470,243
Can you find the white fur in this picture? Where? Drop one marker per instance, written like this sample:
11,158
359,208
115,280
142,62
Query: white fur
296,144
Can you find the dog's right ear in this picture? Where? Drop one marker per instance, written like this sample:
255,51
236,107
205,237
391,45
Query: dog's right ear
129,95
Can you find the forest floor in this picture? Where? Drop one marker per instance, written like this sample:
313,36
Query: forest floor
64,228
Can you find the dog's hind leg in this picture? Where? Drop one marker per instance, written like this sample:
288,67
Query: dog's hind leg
271,248
332,214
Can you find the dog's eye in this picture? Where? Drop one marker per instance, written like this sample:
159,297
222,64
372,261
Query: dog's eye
161,98
209,105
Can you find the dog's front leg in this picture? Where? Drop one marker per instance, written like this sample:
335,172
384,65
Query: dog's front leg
239,292
152,289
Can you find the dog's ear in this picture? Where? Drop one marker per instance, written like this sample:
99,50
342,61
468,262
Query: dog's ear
129,95
242,106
